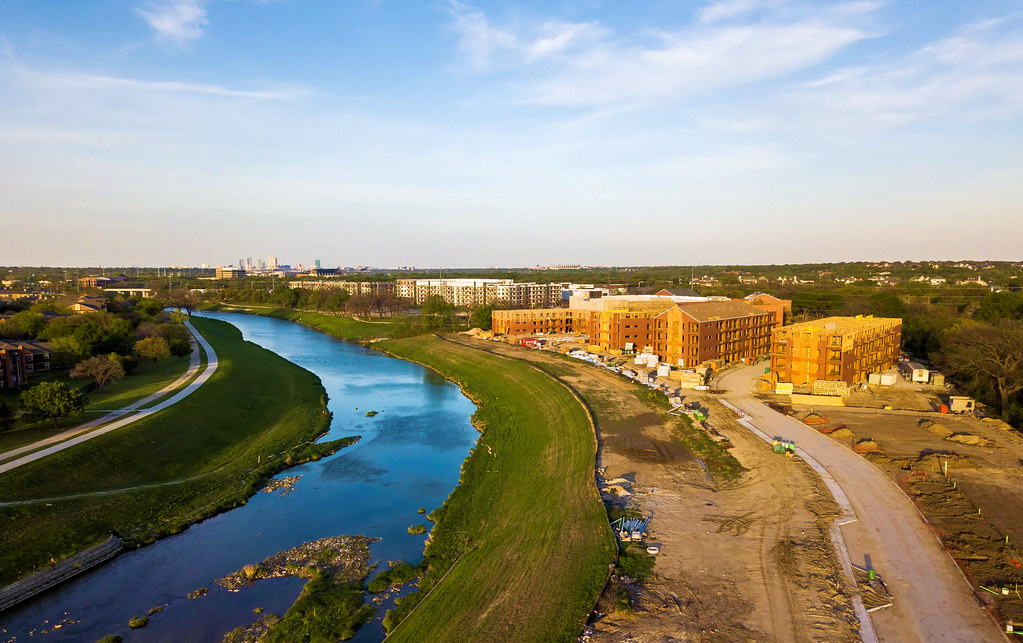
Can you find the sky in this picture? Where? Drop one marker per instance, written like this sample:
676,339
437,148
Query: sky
459,133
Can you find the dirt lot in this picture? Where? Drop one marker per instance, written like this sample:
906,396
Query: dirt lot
746,561
974,508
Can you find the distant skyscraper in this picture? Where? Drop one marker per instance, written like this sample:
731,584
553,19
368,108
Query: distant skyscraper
273,263
317,264
248,263
241,263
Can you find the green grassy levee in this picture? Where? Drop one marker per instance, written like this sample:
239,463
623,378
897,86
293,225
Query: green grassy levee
255,416
344,327
521,548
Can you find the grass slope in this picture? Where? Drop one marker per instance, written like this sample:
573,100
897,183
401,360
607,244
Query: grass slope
521,548
206,453
145,379
343,327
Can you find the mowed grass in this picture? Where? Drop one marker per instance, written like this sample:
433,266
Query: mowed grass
154,477
336,326
145,379
521,548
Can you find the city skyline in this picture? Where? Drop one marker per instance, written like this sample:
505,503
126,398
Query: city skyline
454,134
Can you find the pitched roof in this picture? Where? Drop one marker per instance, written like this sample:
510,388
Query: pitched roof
715,310
678,292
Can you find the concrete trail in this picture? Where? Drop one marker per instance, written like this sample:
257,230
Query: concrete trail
933,602
84,432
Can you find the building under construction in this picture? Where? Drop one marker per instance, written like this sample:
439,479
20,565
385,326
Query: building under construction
846,349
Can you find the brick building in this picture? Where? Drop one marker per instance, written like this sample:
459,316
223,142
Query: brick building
732,331
19,358
845,349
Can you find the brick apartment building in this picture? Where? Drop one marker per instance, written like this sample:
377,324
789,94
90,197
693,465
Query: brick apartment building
733,331
681,333
19,358
846,349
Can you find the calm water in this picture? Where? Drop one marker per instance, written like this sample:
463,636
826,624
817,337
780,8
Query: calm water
409,457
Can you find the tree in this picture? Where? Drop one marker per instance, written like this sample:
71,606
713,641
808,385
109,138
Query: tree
6,416
183,299
52,400
991,355
482,317
154,348
359,305
437,313
68,350
180,348
102,369
997,305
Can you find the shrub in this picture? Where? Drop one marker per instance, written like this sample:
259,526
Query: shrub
138,621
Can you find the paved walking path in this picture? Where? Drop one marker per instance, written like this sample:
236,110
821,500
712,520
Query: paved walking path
932,600
84,431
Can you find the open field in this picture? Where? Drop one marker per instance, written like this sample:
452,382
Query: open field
254,417
343,327
745,553
521,548
145,379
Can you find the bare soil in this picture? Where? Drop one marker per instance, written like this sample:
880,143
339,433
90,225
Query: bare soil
972,509
749,560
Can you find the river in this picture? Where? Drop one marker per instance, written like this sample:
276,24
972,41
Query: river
409,457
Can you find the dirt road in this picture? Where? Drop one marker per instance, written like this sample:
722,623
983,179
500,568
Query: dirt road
932,601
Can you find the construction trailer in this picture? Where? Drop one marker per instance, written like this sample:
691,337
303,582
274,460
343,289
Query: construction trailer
961,404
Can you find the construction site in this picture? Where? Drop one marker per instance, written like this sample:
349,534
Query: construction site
762,556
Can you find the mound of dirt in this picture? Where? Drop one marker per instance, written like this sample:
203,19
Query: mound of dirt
867,445
843,433
969,439
934,427
934,462
814,418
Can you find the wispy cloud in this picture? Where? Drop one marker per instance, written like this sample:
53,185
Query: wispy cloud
56,80
587,64
976,72
486,45
176,21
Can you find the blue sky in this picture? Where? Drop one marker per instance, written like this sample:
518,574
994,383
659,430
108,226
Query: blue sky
450,133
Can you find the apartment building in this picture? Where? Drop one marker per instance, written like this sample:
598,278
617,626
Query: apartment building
846,349
372,288
19,358
532,322
690,334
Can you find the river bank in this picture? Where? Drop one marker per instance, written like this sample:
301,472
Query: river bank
408,458
526,491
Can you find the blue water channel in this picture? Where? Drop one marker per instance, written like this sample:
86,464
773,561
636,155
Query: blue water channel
409,457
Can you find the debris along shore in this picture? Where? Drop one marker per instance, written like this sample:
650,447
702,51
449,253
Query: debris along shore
285,485
343,557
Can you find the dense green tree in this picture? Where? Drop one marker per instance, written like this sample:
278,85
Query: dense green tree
68,351
437,314
1000,305
53,400
154,348
482,317
180,348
